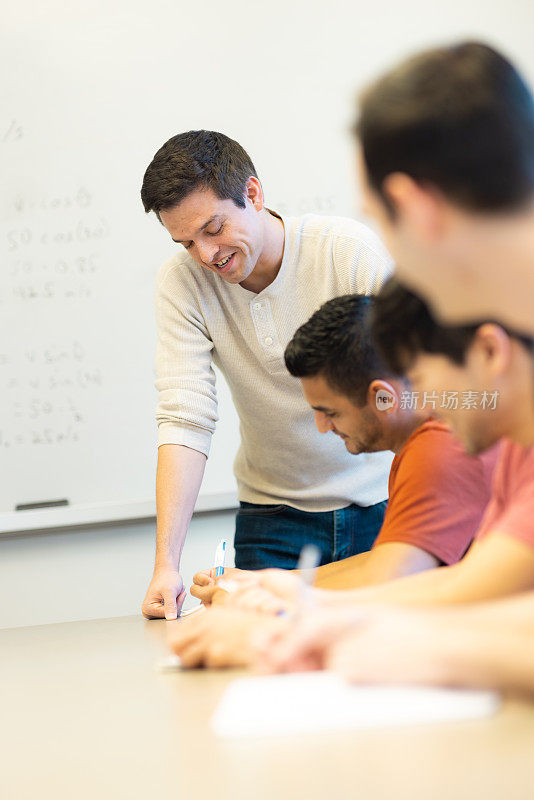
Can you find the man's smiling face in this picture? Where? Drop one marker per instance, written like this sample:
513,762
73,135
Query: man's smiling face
217,234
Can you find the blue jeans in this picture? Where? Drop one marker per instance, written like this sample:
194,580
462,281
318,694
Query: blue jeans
273,535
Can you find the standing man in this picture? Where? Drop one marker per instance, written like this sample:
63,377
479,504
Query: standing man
245,279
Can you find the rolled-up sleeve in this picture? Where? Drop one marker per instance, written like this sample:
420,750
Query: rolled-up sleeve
187,399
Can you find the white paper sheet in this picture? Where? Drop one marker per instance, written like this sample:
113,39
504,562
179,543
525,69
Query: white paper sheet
313,702
186,612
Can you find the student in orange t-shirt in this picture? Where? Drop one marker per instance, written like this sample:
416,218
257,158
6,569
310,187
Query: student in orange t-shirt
437,493
494,366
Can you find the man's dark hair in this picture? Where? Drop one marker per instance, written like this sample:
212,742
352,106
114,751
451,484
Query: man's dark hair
335,343
402,327
460,118
196,160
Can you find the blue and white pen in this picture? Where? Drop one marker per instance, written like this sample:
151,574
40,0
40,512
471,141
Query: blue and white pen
220,558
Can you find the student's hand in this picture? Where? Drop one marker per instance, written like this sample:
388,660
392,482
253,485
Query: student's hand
273,591
251,591
203,577
306,642
255,598
165,595
219,637
258,595
268,591
205,587
284,585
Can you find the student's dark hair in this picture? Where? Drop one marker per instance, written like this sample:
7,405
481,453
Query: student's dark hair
335,343
460,118
402,327
196,160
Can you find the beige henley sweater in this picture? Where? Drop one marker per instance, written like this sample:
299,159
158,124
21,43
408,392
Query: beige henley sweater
200,318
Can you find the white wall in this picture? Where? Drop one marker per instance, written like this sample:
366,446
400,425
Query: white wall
94,572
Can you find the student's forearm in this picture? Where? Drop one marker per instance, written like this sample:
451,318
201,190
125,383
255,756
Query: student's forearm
503,661
429,587
385,562
341,574
368,569
179,475
513,614
493,647
497,567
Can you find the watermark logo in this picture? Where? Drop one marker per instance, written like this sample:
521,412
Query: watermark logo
384,400
451,401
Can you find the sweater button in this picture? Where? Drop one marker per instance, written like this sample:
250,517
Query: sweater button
268,340
257,306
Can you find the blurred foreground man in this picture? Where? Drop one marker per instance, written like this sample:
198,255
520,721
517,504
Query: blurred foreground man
447,168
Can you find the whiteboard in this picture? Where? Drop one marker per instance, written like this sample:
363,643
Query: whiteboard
90,90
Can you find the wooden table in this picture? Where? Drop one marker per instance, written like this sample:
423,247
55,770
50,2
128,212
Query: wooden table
84,714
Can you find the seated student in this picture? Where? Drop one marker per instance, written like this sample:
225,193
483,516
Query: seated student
481,359
437,492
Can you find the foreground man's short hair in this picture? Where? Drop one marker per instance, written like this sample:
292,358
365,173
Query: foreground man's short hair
460,118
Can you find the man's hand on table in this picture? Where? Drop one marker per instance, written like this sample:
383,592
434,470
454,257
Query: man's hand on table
165,594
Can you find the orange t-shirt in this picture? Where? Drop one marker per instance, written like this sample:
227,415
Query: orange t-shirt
511,508
437,493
